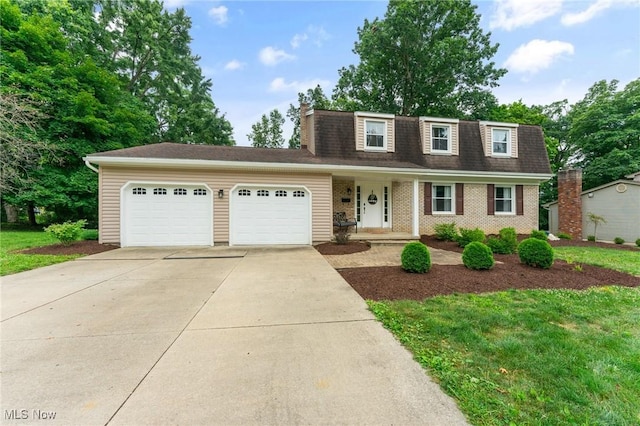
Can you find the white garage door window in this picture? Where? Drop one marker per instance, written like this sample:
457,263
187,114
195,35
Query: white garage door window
167,215
270,215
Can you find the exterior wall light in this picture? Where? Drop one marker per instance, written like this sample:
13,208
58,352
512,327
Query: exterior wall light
221,193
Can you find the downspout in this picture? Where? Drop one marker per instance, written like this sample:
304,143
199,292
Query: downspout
91,166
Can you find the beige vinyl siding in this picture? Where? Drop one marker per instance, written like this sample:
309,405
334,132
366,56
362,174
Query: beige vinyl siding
113,178
425,131
360,132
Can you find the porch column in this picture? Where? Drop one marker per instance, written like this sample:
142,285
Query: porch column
415,228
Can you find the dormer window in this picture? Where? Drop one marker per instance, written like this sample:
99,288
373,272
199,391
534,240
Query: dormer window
440,138
375,135
501,142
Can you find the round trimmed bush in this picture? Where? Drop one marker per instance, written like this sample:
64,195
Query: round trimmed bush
618,240
536,253
416,258
477,255
638,242
541,235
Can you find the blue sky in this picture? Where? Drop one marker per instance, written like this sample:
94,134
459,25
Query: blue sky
260,54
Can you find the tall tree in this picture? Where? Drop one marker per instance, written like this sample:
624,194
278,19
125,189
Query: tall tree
267,133
606,130
148,47
83,107
425,57
314,98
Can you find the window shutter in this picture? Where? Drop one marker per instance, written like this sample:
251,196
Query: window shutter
427,198
490,201
459,198
519,201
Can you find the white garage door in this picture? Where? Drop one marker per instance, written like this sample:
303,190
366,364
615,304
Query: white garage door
167,215
270,215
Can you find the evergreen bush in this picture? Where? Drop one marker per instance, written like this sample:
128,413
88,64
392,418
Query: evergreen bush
536,253
67,232
638,242
446,231
618,240
591,238
477,255
470,235
564,236
416,258
541,235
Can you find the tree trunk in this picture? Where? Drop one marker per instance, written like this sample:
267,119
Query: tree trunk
12,213
32,213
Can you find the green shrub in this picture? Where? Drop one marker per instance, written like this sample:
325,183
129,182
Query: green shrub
564,236
90,234
446,231
591,238
416,258
638,242
477,255
469,235
536,253
499,246
342,237
618,240
67,232
541,235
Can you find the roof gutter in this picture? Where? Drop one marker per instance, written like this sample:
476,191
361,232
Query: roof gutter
327,168
89,165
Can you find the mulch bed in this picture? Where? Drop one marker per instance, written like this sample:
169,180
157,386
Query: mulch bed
84,248
393,283
349,248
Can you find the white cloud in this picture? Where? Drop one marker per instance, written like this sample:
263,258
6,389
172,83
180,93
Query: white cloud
511,14
270,56
297,40
594,10
219,14
317,35
234,65
537,55
174,4
280,85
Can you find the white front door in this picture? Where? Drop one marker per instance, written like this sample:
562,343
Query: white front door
371,204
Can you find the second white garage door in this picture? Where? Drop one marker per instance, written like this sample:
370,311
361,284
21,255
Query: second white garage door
270,215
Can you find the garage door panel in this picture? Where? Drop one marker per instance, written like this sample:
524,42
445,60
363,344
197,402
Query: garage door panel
159,214
276,218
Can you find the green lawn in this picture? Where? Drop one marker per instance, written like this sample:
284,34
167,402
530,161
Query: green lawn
619,260
10,241
536,357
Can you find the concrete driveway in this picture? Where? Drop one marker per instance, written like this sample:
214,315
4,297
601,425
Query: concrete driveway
204,336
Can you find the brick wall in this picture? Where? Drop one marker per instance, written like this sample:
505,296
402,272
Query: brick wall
475,211
339,192
570,202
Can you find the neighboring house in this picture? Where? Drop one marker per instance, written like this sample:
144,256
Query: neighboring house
618,202
401,174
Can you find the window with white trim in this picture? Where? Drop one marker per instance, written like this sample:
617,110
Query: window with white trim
440,138
504,199
179,191
139,191
159,191
244,193
281,193
263,193
501,142
442,198
375,133
199,191
298,194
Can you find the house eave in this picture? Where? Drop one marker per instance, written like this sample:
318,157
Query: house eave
390,172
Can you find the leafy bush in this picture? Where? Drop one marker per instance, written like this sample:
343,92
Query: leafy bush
536,253
499,246
469,235
477,255
541,235
90,234
638,242
446,231
416,258
564,236
618,240
342,237
67,232
591,238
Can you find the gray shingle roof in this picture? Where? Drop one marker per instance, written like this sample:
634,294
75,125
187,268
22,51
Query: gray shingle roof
335,145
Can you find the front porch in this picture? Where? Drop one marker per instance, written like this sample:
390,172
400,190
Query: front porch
381,236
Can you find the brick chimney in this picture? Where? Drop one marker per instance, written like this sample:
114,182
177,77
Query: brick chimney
304,134
570,202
